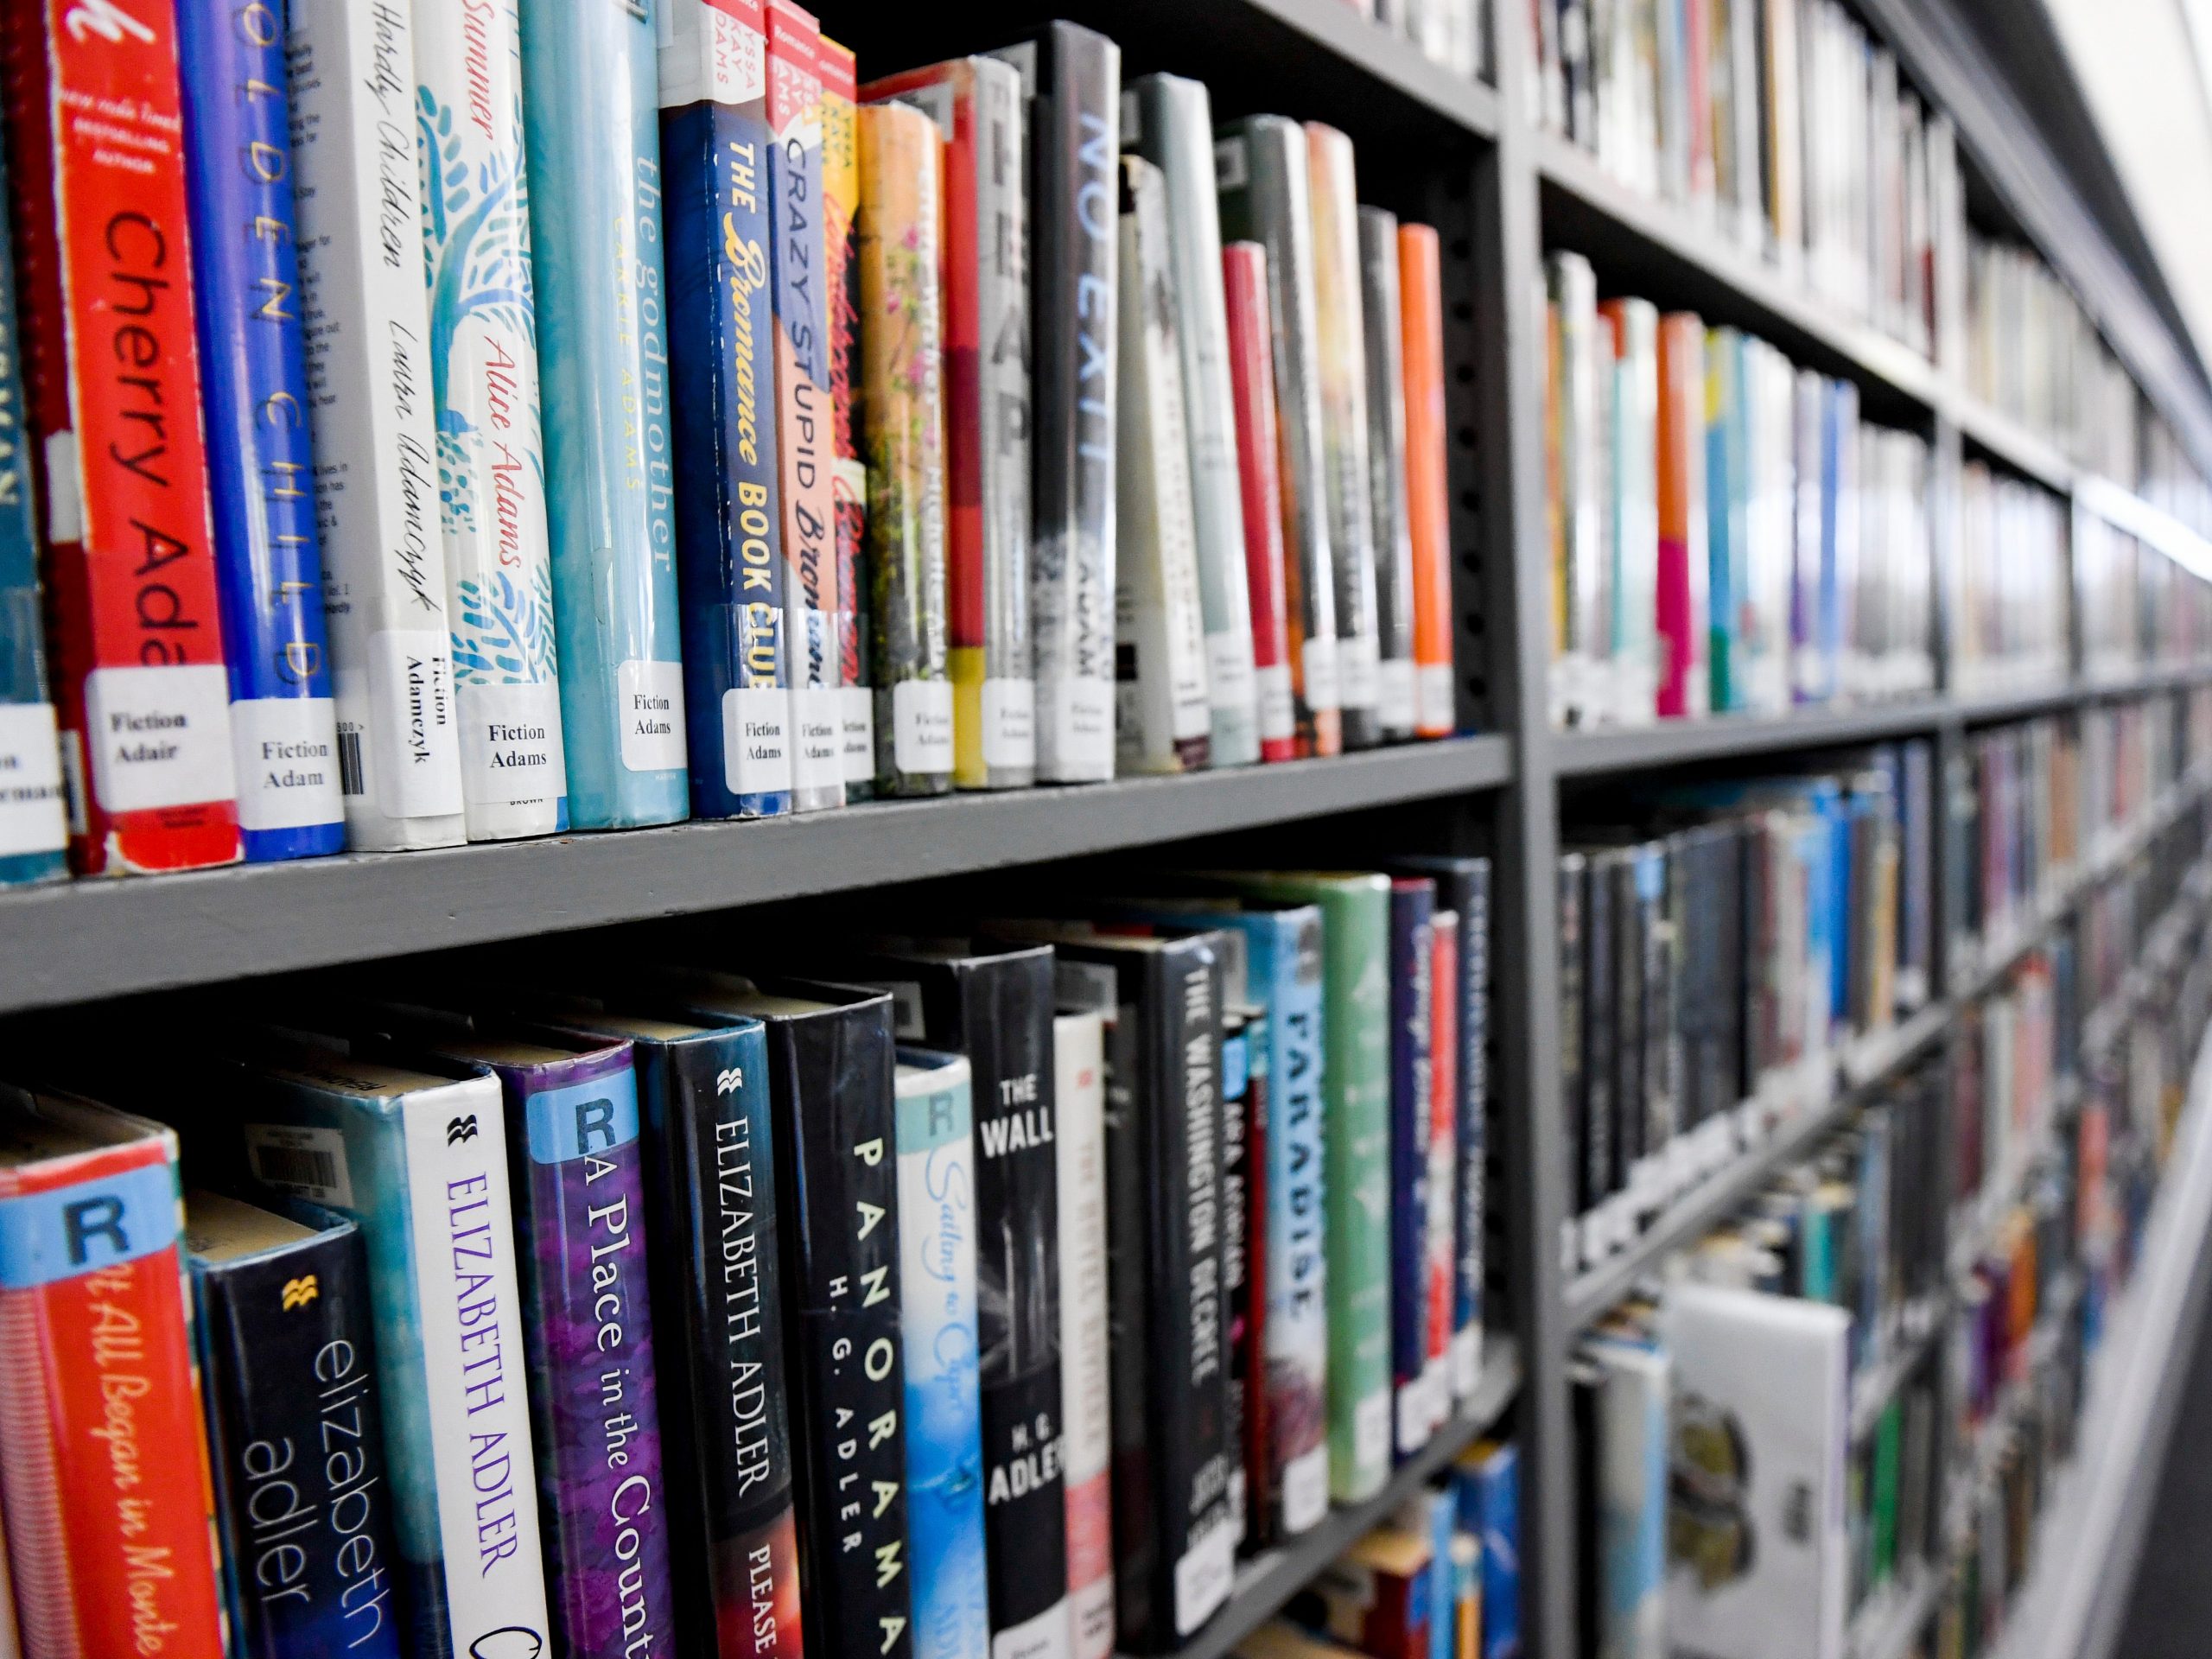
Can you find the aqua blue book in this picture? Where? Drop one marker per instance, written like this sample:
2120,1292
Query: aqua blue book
1487,1483
714,141
1726,486
591,118
34,829
260,460
939,1320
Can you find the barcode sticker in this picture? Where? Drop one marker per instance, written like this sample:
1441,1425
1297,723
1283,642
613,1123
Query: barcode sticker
302,1159
350,779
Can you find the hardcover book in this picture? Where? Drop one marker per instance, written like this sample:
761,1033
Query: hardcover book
295,1428
711,1208
840,206
1428,487
34,822
938,1316
1169,121
1438,1329
1071,78
139,683
804,440
595,203
417,1155
1680,599
978,105
1340,353
1242,1022
901,257
1162,717
1392,535
102,1457
260,459
714,143
364,324
1252,384
1261,169
1413,1009
483,351
1086,1413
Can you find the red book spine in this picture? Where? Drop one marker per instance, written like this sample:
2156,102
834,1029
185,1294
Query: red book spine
1443,1157
109,1503
1428,490
96,137
1252,387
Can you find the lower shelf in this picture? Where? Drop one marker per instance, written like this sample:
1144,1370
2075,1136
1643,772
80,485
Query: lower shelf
1267,1582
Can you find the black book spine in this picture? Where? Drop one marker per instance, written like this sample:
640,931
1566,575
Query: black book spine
1573,1097
835,1143
295,1443
1239,1354
1732,891
1661,999
725,1418
1599,1011
1628,1022
1470,898
1413,1004
1249,1367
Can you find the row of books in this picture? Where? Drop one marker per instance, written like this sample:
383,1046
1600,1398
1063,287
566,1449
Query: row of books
1781,124
1716,957
1726,534
689,431
1092,1253
1454,33
2033,353
2139,610
2013,585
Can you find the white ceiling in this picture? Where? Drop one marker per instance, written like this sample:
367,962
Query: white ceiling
2145,66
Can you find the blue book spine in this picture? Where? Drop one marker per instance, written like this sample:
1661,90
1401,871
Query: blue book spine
714,146
1413,961
1489,1483
34,829
260,459
1835,520
1443,1524
1721,525
590,106
940,1323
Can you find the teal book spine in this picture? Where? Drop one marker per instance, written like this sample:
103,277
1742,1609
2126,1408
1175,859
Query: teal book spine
591,104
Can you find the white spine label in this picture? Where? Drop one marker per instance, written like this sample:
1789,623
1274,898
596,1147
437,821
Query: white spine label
159,736
1394,694
651,712
1435,706
1203,1576
1306,1490
1356,662
921,726
1466,1361
287,750
756,750
1045,1635
1321,690
1278,713
858,703
817,737
32,813
1370,1430
1230,680
416,731
511,746
1083,719
1010,723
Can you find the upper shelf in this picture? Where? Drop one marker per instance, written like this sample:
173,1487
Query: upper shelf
78,940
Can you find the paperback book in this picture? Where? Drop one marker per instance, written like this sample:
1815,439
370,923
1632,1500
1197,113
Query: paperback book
1392,536
840,206
1252,384
1086,1415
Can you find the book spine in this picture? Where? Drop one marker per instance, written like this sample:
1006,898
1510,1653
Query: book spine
939,1331
588,1326
1247,1137
836,1156
1681,597
1392,536
141,693
1473,1137
602,327
1573,1100
1173,129
296,1443
1356,1071
1075,135
733,1532
714,141
33,817
1339,340
1427,480
365,328
1252,387
1238,1331
1599,1012
840,206
1296,1327
108,1509
804,440
260,458
1162,720
1413,1006
1260,169
903,433
1443,1162
1086,1415
483,351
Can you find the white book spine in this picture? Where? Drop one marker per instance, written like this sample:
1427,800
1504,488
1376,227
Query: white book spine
1002,309
469,1301
491,460
1086,1418
1162,718
358,190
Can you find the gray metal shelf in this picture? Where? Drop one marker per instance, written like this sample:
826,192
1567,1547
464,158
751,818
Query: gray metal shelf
79,940
1685,742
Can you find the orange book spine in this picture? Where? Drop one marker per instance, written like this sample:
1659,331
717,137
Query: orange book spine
1429,489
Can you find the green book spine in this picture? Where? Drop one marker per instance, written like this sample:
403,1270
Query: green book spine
1884,1508
1356,1083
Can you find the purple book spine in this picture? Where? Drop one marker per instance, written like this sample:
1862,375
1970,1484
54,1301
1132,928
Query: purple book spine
589,1324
